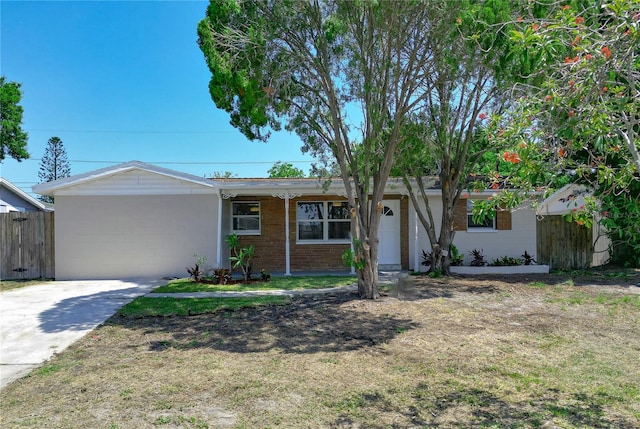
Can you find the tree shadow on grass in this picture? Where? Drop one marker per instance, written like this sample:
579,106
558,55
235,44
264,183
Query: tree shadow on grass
477,408
307,325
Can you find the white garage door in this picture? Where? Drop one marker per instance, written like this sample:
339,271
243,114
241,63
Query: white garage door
133,236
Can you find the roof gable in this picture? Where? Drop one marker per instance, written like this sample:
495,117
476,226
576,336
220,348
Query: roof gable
564,200
130,178
19,195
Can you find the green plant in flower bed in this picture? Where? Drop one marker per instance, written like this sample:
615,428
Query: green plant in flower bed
505,261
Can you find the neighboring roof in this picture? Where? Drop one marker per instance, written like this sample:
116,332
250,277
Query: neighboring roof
23,195
50,188
564,200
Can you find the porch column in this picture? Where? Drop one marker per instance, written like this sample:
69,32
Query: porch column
287,246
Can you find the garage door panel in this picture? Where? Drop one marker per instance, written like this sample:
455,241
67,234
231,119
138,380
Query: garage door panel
133,236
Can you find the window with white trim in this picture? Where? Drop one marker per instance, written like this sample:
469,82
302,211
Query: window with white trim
486,224
245,217
323,221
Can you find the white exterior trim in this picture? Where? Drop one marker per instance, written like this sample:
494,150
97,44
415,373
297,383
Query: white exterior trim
93,182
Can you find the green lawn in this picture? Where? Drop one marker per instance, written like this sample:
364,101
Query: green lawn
149,307
276,283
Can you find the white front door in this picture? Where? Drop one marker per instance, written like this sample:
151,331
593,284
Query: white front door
389,235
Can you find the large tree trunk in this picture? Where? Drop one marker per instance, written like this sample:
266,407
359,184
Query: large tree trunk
368,281
440,261
366,251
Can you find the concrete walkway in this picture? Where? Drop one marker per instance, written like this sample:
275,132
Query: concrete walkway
38,321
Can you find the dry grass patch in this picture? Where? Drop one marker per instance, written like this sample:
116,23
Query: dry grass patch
6,285
474,353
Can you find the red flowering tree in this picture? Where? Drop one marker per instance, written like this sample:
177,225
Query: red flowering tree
576,115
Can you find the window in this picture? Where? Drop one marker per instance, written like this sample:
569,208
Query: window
485,224
323,221
245,217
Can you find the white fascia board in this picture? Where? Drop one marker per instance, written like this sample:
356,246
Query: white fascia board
63,185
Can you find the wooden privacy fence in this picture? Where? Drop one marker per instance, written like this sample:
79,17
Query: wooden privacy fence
563,245
26,245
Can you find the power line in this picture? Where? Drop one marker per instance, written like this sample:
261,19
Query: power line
130,131
186,162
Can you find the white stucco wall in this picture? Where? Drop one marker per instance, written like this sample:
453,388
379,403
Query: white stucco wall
133,236
495,244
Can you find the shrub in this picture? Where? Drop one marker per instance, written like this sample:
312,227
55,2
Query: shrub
528,259
455,257
478,258
505,261
241,257
197,271
221,276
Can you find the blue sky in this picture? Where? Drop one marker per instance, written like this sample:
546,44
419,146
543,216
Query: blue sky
120,81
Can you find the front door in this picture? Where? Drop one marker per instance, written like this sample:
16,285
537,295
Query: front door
389,234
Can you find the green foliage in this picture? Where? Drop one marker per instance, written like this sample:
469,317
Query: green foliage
455,257
576,118
307,66
506,261
435,274
449,137
281,170
54,164
351,258
241,257
197,271
222,175
221,276
13,140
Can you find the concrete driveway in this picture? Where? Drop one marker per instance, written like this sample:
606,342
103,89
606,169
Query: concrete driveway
38,321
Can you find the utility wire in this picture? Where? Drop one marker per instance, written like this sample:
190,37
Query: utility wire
132,131
186,162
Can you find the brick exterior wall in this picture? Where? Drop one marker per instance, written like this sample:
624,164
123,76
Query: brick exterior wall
270,244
